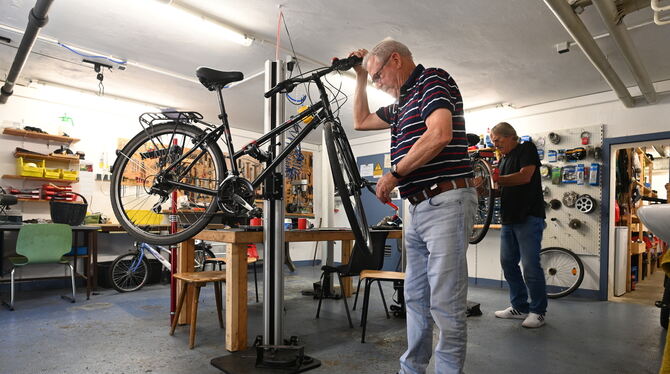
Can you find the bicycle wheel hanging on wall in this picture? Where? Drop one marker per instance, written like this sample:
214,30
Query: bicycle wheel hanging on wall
485,200
563,271
347,181
142,193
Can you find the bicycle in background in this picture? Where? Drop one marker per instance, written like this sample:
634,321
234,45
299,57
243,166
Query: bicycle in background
130,271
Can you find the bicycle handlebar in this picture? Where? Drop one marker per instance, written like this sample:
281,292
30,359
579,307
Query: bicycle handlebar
337,65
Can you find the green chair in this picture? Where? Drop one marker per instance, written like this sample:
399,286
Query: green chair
42,244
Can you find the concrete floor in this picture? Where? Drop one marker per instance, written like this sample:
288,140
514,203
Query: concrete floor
128,333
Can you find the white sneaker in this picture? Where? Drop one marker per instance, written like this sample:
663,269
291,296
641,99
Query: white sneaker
533,320
510,313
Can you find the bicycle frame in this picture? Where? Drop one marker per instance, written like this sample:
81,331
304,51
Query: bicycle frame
320,110
142,247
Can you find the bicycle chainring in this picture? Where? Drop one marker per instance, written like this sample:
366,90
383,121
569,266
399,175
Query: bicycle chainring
231,187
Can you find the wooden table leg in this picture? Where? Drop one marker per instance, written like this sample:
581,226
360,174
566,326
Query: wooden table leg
236,297
346,254
185,263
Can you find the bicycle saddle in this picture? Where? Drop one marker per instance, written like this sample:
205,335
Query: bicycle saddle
216,79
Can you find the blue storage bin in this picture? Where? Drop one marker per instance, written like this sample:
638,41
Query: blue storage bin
81,251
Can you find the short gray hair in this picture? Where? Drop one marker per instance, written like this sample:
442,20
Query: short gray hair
384,49
504,129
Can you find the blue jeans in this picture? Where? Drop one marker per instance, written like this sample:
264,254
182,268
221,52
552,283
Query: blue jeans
436,281
522,242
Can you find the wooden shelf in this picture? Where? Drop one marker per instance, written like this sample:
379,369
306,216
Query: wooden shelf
33,200
645,190
37,135
9,176
46,157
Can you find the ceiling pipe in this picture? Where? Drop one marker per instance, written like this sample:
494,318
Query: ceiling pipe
575,27
612,19
626,6
36,20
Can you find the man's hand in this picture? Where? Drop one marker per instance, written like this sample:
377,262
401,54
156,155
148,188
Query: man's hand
360,69
384,187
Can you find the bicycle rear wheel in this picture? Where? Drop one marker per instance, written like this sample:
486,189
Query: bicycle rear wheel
485,199
129,272
563,271
348,182
143,195
200,256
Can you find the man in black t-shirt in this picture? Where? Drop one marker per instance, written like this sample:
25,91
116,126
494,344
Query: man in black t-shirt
522,210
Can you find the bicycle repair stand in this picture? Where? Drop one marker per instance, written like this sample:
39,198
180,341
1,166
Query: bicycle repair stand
270,352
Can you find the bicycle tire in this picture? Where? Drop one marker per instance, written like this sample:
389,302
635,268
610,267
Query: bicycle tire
348,182
199,258
131,200
123,278
485,199
563,271
665,311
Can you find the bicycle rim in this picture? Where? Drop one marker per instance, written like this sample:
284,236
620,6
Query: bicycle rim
200,257
485,199
139,209
347,181
563,271
129,272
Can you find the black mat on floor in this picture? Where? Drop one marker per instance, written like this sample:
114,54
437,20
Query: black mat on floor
244,362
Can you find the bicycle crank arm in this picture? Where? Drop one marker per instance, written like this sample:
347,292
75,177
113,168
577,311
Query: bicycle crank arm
238,199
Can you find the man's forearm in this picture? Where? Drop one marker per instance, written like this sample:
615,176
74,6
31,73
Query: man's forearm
515,179
361,107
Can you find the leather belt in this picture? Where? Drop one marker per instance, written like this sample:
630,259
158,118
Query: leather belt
438,188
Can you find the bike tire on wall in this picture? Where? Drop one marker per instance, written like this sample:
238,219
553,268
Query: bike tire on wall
347,181
123,167
563,269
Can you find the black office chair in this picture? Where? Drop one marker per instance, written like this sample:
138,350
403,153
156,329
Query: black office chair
361,259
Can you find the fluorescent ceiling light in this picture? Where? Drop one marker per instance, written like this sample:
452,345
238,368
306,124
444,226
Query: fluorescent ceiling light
187,15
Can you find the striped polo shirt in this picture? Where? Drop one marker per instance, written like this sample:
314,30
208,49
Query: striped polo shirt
425,91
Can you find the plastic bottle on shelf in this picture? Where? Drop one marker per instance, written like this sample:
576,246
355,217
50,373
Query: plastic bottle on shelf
487,139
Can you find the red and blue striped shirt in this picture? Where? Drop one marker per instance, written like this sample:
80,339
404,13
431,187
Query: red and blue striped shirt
425,91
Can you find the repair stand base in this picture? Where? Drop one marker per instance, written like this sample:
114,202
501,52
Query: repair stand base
244,362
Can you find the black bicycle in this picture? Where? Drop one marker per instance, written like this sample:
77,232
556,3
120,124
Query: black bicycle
483,170
175,167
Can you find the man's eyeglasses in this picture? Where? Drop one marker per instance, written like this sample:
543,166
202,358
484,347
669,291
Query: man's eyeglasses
378,75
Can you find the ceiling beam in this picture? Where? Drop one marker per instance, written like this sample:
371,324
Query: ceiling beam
575,27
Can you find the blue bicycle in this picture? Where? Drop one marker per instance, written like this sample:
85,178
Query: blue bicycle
130,271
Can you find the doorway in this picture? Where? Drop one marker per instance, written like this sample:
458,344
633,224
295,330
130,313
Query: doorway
638,176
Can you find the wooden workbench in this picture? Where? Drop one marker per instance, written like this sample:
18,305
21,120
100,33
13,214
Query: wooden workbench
236,270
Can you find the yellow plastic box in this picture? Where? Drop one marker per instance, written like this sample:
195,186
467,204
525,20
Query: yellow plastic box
52,173
70,174
144,217
24,169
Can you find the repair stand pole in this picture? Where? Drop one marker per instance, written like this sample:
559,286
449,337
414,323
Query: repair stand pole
273,261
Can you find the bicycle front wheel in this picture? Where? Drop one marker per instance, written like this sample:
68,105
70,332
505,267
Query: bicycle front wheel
144,195
129,272
563,271
348,182
485,199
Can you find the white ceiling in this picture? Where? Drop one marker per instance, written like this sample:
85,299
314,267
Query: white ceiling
498,51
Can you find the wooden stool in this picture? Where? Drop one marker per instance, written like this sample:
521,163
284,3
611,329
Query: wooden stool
222,261
197,280
371,276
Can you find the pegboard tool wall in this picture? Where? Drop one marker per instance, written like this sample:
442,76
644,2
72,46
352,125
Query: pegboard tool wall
586,239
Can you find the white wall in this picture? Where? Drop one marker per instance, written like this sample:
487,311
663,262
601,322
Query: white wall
98,122
603,108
